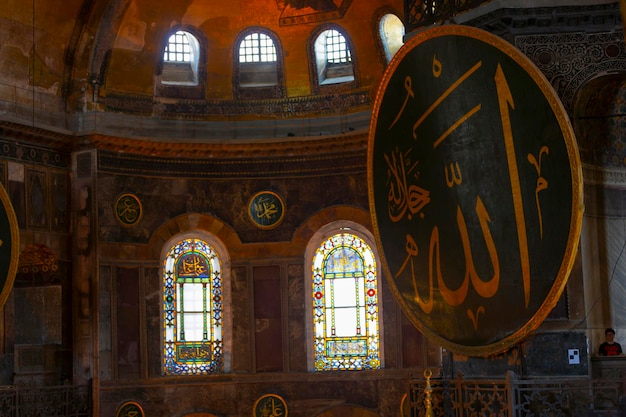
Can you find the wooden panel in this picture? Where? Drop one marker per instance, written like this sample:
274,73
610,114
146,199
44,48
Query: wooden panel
127,322
412,345
267,317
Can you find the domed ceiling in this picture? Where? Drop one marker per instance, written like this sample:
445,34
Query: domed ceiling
97,66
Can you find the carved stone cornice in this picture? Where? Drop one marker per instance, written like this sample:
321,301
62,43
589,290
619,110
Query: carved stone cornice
606,177
568,60
508,21
278,108
344,154
347,143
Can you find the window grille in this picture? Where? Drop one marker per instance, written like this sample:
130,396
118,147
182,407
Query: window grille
257,47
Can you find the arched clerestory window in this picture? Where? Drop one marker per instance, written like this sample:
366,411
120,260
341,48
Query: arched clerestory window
181,71
180,59
344,330
257,61
258,69
194,308
333,58
391,32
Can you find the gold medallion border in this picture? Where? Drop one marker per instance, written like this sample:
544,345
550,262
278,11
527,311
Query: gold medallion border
117,214
277,222
121,407
15,246
405,406
262,397
576,173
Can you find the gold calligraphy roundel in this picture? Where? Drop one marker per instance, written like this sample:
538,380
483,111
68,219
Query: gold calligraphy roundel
475,189
128,210
9,246
266,209
270,405
130,409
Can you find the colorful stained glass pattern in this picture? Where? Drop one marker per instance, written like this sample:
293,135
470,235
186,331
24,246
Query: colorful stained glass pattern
192,309
345,305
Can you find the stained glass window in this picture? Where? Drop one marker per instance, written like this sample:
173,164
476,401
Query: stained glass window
345,305
192,309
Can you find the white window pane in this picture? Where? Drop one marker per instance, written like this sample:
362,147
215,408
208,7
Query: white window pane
345,322
194,327
193,297
319,329
372,326
344,292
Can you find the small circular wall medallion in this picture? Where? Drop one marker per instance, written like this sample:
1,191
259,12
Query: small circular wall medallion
270,405
128,210
266,210
130,409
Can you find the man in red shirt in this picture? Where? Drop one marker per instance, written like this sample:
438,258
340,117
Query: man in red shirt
610,347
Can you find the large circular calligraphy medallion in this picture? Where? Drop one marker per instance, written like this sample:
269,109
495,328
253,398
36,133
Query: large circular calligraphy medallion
475,189
9,246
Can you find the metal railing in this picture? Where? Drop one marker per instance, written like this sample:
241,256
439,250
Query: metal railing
513,397
509,397
44,401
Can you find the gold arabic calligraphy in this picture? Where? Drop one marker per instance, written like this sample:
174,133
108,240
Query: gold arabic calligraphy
265,208
270,408
128,210
406,198
193,265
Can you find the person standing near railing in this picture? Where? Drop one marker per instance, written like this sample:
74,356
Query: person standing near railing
610,347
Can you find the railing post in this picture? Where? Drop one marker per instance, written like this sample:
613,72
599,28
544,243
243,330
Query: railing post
427,393
511,388
459,392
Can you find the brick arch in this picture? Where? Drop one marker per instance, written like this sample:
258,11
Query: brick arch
304,233
187,223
